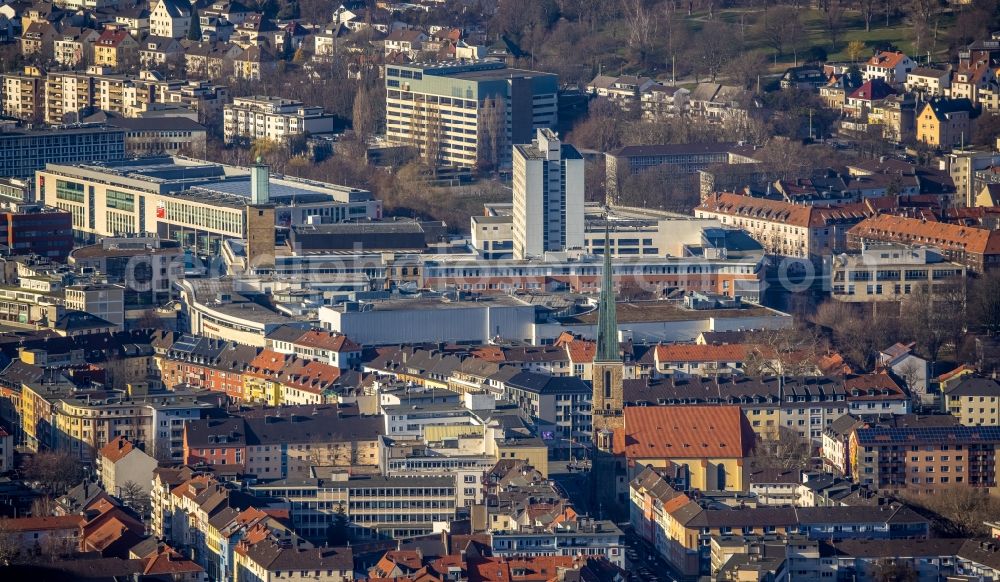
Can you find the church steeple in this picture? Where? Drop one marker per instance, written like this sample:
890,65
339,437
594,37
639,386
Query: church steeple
608,400
607,321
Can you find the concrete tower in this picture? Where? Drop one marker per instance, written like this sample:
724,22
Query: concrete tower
260,220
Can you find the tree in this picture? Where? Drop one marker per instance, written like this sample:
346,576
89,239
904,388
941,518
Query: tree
9,544
363,115
855,49
868,12
835,21
958,511
890,570
933,318
194,32
856,334
493,133
984,303
133,496
339,531
784,450
714,47
57,470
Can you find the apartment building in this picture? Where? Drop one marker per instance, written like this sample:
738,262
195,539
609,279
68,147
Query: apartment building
24,95
466,114
783,228
925,460
24,151
886,272
272,118
548,197
376,506
804,405
974,401
976,248
681,527
278,443
581,536
61,418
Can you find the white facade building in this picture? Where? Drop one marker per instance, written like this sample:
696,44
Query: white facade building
272,118
548,196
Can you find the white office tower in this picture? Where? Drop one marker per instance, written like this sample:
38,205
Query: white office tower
548,196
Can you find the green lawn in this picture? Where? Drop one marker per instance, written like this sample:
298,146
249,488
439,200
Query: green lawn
899,33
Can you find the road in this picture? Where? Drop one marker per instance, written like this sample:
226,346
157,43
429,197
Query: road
642,562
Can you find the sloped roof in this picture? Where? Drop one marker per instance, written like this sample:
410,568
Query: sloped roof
117,449
950,236
873,90
684,432
703,353
886,59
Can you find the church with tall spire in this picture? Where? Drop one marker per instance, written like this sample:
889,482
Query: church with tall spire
608,400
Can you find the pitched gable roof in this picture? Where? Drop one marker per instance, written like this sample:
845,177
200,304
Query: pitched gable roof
684,432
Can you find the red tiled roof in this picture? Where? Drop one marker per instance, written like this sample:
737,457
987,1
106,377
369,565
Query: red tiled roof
684,432
168,561
112,37
327,340
702,353
764,209
24,524
942,234
313,377
117,449
886,59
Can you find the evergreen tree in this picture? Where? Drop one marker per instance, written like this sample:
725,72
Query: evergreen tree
338,533
194,33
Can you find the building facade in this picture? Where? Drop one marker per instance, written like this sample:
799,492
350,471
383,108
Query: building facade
548,197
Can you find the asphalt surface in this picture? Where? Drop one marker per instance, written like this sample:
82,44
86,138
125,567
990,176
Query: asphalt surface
641,561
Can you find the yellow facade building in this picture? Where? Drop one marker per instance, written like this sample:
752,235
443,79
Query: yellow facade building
712,442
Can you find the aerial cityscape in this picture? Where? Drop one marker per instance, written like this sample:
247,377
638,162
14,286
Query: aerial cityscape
499,290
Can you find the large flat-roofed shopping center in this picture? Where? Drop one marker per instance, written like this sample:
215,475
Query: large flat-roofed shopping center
195,202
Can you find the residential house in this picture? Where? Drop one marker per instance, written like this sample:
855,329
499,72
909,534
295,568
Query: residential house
135,20
864,105
39,38
125,469
928,82
253,63
160,50
945,122
283,442
211,60
271,560
974,401
838,87
170,18
407,41
890,67
116,48
660,102
974,78
75,46
908,366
